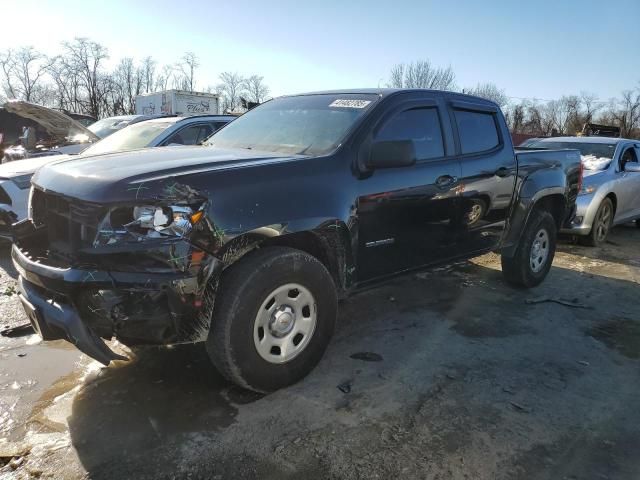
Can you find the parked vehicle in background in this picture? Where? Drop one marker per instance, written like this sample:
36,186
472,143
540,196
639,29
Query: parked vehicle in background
610,194
55,132
248,244
15,177
177,102
82,118
599,130
105,127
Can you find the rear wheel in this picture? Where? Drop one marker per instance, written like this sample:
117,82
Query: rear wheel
601,225
274,315
534,255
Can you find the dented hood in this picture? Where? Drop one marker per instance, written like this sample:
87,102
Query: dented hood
57,124
118,177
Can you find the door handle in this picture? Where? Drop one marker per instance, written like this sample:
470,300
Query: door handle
502,172
445,181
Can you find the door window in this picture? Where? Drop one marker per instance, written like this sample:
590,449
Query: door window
477,130
190,135
422,125
629,155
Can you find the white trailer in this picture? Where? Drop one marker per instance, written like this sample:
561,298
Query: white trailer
177,102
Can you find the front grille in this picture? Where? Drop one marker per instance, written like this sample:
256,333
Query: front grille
71,224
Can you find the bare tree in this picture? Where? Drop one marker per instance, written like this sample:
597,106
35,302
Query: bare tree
626,112
188,67
24,70
515,116
128,81
489,91
83,59
422,74
6,63
230,88
255,88
590,104
165,78
148,68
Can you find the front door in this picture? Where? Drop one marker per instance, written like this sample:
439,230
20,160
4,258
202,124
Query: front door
627,186
405,214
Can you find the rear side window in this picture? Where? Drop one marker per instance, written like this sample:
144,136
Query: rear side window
477,130
422,125
191,135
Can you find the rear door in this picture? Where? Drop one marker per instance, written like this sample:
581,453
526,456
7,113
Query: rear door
627,185
487,179
405,214
190,135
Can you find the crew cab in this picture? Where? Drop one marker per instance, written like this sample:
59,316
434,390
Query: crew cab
248,244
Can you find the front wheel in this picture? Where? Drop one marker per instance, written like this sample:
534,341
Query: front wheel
534,255
601,225
274,315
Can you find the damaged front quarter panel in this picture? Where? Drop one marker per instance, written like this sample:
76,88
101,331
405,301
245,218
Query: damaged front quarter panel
172,232
143,278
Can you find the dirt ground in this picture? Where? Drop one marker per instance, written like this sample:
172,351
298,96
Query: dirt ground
438,375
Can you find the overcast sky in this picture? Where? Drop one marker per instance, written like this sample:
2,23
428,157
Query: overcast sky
541,49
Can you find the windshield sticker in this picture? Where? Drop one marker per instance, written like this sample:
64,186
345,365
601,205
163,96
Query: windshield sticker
343,103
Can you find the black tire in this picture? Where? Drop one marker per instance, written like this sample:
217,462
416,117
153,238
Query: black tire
518,270
601,226
243,289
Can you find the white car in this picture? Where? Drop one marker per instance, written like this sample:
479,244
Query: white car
15,177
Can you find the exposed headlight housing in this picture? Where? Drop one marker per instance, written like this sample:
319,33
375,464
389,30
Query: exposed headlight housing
149,221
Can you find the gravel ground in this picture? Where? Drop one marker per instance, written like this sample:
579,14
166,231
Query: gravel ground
444,374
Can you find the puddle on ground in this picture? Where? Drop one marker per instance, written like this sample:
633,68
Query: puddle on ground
53,389
160,394
31,374
621,334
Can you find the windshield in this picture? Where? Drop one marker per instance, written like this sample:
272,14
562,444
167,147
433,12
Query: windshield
138,135
105,127
306,124
595,156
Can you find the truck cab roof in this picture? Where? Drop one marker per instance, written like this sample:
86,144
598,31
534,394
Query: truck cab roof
387,92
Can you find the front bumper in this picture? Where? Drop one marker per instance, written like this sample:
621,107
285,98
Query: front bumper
84,305
585,212
54,320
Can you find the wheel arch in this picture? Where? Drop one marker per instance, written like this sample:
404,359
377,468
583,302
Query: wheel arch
555,204
614,199
330,244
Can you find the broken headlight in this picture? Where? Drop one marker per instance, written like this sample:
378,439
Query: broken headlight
144,222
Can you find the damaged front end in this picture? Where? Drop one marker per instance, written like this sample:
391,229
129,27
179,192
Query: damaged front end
143,272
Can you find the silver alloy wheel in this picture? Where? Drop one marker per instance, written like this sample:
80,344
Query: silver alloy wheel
285,323
603,222
474,214
539,250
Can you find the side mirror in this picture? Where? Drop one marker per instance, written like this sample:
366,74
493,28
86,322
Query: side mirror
632,167
392,154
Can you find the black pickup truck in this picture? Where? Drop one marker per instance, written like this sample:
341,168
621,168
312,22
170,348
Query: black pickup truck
249,242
